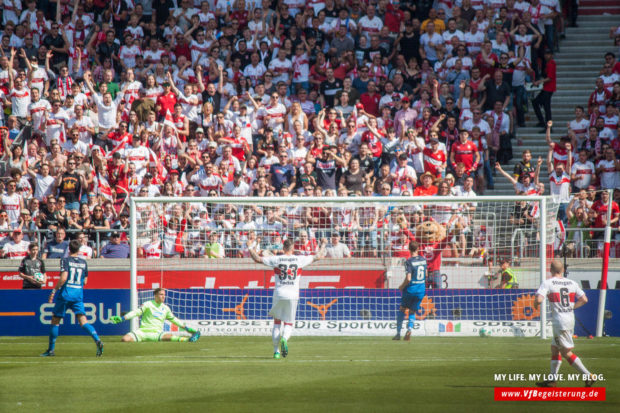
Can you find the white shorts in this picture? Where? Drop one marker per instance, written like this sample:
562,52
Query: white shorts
563,339
284,309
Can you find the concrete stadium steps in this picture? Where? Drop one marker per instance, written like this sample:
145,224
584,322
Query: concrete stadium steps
598,7
579,62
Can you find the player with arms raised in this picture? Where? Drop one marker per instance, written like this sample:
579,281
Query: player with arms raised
73,275
287,269
565,296
153,315
413,289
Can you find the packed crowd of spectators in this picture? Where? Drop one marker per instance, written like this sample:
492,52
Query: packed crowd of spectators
583,166
104,100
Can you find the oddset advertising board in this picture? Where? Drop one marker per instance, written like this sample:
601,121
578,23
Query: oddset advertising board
369,312
335,312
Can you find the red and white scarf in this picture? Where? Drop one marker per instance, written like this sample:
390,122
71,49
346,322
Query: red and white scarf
64,86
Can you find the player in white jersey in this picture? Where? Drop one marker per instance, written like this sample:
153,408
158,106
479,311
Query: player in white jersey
565,296
287,271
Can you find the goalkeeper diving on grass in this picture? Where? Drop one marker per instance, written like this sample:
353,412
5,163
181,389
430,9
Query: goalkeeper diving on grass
152,315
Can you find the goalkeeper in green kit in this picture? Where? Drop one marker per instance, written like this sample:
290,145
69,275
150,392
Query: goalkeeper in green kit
153,314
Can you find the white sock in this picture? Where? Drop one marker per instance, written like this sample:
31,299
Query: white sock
287,331
275,337
555,366
576,363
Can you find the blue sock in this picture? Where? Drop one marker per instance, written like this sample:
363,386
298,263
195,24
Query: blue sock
400,316
91,331
411,320
53,336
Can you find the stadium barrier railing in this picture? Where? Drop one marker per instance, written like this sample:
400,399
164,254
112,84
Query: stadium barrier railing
100,236
574,243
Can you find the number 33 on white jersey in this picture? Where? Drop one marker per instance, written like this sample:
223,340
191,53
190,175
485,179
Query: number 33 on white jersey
287,270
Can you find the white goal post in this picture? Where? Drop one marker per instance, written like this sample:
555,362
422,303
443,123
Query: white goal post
175,242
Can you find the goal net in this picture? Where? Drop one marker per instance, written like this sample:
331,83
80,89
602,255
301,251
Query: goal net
198,250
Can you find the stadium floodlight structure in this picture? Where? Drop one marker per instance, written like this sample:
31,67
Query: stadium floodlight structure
230,294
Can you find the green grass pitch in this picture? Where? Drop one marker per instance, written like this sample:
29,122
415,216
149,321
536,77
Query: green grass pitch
237,374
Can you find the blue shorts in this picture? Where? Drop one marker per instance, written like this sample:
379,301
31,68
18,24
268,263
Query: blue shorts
411,301
73,206
62,306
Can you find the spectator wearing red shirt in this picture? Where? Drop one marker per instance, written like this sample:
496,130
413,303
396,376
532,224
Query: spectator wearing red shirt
559,150
305,245
598,98
486,59
181,47
465,151
371,99
392,18
600,207
427,188
477,80
400,247
549,86
166,101
434,157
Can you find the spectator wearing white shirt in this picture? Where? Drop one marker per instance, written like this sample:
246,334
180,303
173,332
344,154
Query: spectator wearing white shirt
55,123
430,43
237,187
106,107
608,170
18,92
16,248
582,171
148,186
36,110
84,125
74,144
43,181
336,249
560,182
369,24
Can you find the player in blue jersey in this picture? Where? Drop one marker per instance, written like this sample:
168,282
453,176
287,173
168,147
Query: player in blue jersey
413,288
70,288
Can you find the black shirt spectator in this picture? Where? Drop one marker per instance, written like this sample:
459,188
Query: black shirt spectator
496,89
70,187
47,220
329,88
326,171
211,95
353,181
281,173
161,9
29,266
506,67
54,42
108,49
522,168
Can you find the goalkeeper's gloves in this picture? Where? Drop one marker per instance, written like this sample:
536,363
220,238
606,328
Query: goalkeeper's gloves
190,330
117,319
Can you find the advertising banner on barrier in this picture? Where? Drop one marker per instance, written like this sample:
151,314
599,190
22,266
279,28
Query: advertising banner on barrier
98,279
384,328
27,312
339,312
326,278
364,312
